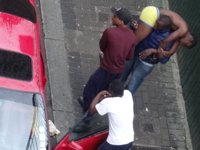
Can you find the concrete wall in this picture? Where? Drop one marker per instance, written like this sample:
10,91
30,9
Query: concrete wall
189,66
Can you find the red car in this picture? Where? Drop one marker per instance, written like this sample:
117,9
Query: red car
23,117
88,140
23,123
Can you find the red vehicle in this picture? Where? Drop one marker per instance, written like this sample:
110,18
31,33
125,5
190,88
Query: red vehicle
90,140
22,78
23,117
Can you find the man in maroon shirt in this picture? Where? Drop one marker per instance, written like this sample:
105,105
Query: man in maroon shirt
117,44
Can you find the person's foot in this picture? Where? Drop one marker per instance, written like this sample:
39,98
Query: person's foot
80,101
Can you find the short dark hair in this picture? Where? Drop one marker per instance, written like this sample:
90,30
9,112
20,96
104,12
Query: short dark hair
166,21
116,87
122,13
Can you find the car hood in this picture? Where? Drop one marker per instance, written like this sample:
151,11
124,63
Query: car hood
20,35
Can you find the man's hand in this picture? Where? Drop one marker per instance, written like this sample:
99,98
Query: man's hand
99,97
161,53
146,53
103,94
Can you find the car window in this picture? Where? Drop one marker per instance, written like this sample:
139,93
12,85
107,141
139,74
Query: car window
22,121
21,8
98,124
38,138
15,65
15,118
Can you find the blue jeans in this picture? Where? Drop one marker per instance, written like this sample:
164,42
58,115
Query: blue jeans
139,72
107,146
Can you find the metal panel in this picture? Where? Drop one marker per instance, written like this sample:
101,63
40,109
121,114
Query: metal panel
189,66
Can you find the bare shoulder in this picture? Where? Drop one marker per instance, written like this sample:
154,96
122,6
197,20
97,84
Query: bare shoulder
177,20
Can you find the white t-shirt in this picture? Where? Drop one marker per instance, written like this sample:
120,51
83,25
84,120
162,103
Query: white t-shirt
120,115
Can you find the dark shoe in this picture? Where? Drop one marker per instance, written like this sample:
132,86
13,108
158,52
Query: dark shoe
80,101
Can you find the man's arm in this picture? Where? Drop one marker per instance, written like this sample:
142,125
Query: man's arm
103,41
147,52
178,22
160,52
100,96
163,53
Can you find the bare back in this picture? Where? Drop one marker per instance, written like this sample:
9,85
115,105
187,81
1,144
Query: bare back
179,25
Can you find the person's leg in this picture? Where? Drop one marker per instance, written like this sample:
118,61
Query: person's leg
98,81
107,146
127,146
90,89
127,70
139,73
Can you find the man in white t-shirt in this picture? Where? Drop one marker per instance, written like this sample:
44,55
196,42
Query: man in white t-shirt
118,104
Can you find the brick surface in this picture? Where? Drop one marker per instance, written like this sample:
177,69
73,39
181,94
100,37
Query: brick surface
72,31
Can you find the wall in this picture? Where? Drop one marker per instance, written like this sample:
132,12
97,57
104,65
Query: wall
189,66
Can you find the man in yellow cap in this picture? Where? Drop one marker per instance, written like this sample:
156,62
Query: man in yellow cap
150,15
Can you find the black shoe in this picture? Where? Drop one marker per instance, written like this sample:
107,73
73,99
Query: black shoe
80,101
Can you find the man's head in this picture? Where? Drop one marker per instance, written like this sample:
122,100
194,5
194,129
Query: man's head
121,16
163,22
116,88
133,25
188,40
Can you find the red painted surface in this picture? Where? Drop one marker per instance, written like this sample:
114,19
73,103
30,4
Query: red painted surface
20,35
89,143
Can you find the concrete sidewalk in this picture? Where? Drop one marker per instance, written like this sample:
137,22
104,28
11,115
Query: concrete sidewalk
72,30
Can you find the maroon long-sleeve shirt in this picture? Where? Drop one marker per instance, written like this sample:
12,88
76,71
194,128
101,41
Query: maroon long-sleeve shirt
118,45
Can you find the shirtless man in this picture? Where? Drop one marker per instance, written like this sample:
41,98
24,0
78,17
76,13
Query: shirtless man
148,18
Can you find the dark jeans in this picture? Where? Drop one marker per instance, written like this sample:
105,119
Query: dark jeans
97,82
127,69
107,146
